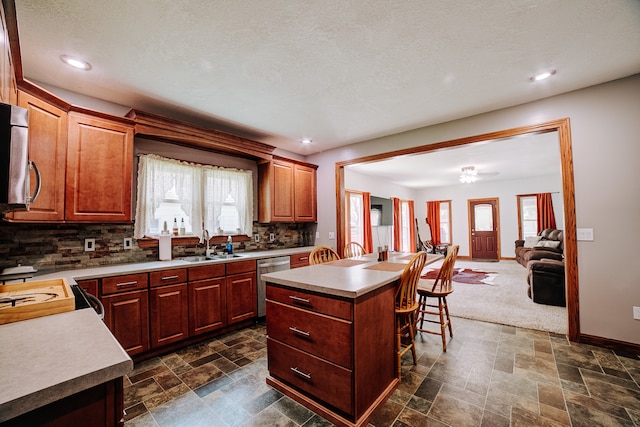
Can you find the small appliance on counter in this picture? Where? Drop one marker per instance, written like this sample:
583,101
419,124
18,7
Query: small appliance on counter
23,272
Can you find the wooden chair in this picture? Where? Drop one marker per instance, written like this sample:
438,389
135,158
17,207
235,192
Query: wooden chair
321,254
406,306
438,288
353,249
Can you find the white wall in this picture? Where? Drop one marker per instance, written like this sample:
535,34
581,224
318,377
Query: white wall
381,188
505,192
605,129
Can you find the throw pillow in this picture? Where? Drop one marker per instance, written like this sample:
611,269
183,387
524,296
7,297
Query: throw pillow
531,241
548,243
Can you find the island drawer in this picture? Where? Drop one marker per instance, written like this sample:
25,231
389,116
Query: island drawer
320,335
309,301
323,380
167,277
126,282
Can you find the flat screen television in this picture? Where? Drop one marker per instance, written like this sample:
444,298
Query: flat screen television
381,211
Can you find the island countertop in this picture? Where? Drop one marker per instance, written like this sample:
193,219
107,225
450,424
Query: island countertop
48,358
349,277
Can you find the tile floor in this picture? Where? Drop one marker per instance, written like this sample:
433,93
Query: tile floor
491,375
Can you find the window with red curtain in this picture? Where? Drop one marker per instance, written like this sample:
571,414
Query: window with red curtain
433,219
358,219
546,218
404,232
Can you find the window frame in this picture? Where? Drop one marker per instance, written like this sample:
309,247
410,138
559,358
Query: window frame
520,198
348,234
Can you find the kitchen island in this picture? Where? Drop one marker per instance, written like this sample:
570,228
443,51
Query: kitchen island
62,369
331,335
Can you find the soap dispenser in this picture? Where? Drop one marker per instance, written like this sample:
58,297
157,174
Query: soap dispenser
229,245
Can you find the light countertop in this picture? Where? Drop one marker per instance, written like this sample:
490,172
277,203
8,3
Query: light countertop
48,358
141,267
349,278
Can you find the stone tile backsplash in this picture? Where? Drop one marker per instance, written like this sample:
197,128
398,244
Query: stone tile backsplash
54,247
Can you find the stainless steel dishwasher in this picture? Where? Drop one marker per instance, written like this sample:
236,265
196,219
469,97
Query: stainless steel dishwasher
268,265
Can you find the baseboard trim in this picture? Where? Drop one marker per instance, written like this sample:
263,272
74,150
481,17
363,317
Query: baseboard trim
626,348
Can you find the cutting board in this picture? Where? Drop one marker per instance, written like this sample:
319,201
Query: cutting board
41,298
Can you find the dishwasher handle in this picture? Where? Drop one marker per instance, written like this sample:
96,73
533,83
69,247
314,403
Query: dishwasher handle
274,264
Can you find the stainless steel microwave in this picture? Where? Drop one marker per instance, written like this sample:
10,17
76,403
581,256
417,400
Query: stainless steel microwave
15,166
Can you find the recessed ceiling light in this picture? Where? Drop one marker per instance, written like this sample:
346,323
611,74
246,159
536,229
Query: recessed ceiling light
306,141
75,62
542,76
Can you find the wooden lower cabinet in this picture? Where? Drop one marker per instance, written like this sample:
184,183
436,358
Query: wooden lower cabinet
101,405
207,298
169,314
127,317
207,305
242,298
334,355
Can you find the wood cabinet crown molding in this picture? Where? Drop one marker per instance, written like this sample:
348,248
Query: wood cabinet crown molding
170,130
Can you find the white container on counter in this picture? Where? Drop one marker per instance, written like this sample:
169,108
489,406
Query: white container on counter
164,244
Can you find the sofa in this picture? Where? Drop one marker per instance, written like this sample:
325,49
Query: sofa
549,244
543,257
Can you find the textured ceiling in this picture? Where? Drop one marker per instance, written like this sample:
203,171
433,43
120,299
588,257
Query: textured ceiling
335,71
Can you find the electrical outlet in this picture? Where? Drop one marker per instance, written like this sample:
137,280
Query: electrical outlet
332,235
636,313
272,237
89,245
317,234
256,238
128,243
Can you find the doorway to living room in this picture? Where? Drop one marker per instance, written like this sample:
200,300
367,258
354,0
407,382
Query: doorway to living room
561,129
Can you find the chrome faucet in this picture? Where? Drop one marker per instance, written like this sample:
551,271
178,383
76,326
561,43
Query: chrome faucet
205,237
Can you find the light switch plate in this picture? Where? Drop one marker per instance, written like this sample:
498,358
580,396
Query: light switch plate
128,243
636,313
317,234
89,245
272,237
585,234
256,238
332,235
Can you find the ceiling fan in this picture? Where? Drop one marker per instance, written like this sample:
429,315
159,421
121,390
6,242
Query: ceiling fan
469,174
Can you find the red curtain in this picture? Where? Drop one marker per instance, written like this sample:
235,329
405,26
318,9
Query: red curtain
412,228
396,224
367,244
433,219
546,218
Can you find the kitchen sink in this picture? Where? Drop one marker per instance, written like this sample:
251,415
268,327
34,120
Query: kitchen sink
226,256
197,258
200,258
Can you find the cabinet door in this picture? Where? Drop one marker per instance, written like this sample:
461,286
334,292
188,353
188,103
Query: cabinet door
169,314
207,305
242,299
127,317
47,149
305,209
99,165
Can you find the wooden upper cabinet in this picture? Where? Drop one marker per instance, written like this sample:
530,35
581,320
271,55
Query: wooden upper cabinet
304,208
287,192
47,149
99,168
